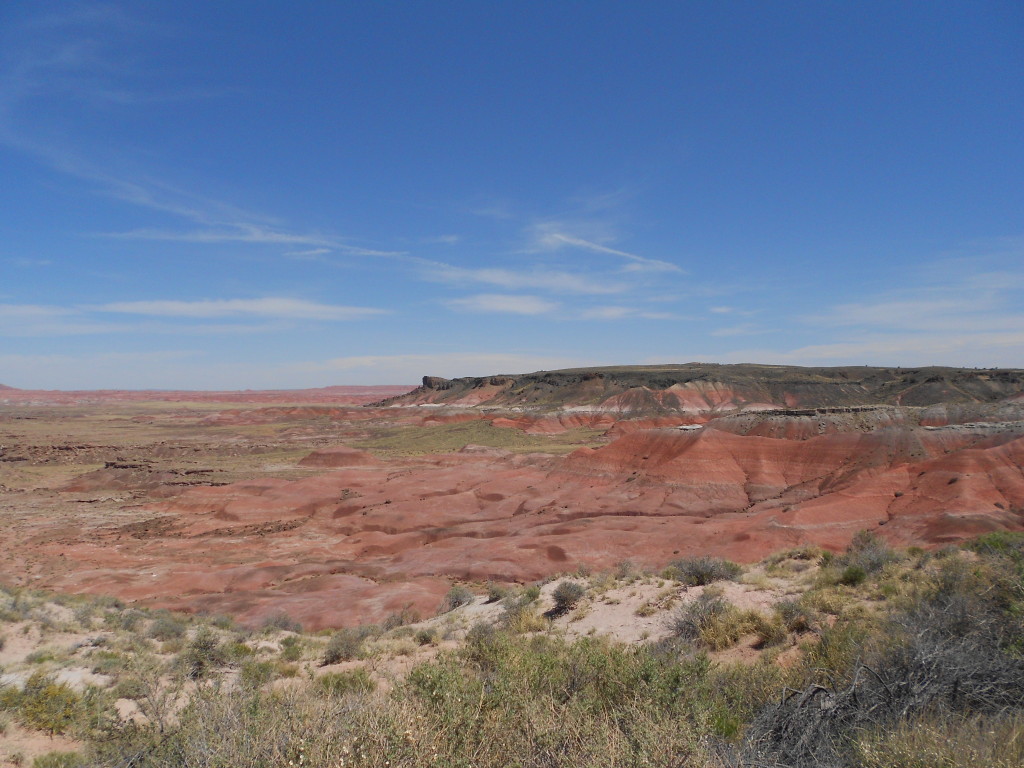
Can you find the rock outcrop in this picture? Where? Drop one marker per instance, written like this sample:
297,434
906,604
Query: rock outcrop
706,387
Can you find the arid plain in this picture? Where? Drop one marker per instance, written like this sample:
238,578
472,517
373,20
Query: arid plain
343,505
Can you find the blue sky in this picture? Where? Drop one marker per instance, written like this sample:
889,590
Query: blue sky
270,194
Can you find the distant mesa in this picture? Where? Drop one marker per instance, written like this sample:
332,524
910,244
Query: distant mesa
711,388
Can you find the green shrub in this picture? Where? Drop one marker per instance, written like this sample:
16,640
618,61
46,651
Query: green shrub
457,597
520,614
351,681
10,697
694,619
427,636
166,627
107,662
496,592
852,575
1005,543
203,655
59,760
47,705
700,571
291,648
795,616
129,688
940,660
124,620
346,644
255,674
407,615
236,651
481,633
223,621
770,631
803,552
286,669
281,622
625,570
566,594
868,552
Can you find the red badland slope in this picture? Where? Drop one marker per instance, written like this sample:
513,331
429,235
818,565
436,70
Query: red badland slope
362,537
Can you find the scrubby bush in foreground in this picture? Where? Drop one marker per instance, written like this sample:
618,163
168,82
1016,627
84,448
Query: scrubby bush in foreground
699,571
456,597
566,594
868,553
928,673
203,655
346,644
946,654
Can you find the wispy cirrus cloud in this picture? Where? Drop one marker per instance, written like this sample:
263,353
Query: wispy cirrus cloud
1000,349
27,320
556,281
309,253
637,263
556,235
952,315
89,56
988,301
246,316
743,329
442,240
292,309
245,232
623,313
503,303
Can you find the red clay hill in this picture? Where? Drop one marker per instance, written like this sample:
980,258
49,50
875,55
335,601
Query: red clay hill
735,461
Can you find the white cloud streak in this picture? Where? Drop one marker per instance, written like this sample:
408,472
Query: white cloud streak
988,301
556,235
987,350
744,329
504,304
30,320
245,232
80,55
537,279
293,309
624,313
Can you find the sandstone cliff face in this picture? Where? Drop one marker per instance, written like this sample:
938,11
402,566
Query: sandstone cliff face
703,387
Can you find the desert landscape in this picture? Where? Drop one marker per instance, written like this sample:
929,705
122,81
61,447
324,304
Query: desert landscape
511,385
343,505
170,557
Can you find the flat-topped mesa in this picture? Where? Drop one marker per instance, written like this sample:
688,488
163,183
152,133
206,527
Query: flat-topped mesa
436,383
715,388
